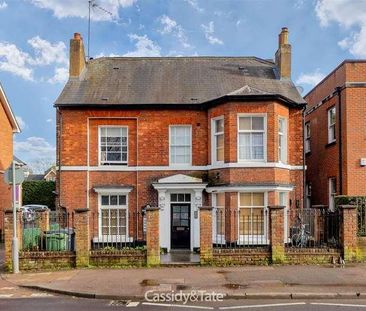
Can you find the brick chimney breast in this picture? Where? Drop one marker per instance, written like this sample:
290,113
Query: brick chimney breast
77,56
283,55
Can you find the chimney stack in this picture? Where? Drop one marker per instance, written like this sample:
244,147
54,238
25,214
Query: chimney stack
77,56
283,55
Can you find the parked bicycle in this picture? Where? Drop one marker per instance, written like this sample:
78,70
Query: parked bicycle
302,237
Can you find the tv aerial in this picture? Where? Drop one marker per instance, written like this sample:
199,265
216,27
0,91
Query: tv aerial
94,5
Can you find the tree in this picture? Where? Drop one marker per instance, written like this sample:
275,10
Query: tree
39,192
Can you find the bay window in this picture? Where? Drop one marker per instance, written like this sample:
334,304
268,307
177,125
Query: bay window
282,140
218,140
252,218
251,138
219,218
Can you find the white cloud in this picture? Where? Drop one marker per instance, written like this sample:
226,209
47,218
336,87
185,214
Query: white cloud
79,8
209,31
144,47
35,150
15,61
49,120
61,75
311,79
3,5
170,26
194,5
21,122
349,14
47,53
22,64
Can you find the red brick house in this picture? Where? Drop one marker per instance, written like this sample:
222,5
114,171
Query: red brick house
178,133
335,133
8,126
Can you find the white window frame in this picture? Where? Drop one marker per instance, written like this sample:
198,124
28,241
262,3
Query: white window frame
307,137
265,131
113,163
213,140
217,238
254,239
332,126
282,153
331,195
112,238
190,149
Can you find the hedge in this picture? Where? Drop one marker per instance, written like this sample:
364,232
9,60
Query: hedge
39,192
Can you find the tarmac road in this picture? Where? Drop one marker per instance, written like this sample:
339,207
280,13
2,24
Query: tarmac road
61,303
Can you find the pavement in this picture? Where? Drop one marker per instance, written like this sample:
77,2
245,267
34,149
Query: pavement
271,282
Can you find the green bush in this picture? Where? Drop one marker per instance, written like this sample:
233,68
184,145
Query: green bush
359,201
39,192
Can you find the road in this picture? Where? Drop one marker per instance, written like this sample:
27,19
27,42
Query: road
61,303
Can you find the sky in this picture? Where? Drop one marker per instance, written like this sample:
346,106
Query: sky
35,34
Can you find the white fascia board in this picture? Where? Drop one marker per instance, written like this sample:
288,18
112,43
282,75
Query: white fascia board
9,111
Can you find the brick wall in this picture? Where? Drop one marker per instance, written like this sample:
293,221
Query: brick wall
311,256
323,160
6,155
114,259
31,261
242,256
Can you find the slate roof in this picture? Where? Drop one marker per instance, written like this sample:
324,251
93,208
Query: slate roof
178,80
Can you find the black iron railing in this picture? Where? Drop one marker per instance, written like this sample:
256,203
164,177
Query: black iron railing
54,233
118,229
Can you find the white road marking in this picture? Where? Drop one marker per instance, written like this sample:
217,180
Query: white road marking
6,295
263,306
337,304
177,306
132,304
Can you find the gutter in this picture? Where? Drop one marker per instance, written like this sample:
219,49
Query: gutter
340,156
303,159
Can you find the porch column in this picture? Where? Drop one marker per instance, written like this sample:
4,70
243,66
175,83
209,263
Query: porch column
82,237
276,233
348,233
152,236
206,247
196,222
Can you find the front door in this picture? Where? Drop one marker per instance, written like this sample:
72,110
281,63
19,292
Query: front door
180,225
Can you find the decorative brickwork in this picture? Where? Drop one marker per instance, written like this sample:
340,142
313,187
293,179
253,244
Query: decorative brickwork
348,232
152,236
8,226
206,246
276,227
82,237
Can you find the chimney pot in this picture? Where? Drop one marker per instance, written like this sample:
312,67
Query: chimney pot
77,36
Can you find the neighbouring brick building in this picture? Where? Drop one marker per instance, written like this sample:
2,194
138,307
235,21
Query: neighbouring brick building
8,126
335,135
179,133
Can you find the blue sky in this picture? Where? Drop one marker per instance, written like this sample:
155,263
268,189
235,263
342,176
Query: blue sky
34,39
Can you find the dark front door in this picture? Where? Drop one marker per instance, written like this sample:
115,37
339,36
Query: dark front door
180,225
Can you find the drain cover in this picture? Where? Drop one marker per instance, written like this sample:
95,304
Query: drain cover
119,303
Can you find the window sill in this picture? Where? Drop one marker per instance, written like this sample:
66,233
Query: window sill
330,144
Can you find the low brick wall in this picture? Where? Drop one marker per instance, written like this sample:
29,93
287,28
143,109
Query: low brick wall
311,256
118,258
241,256
46,260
